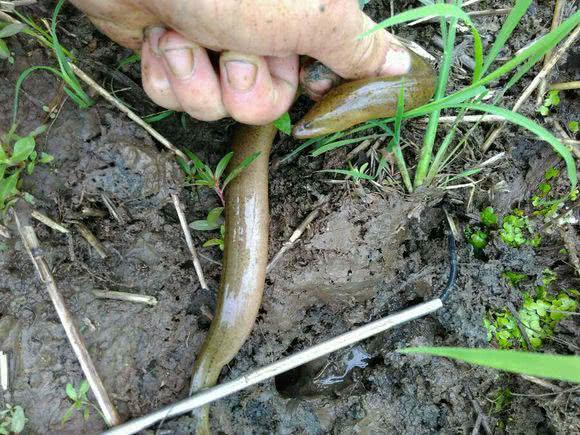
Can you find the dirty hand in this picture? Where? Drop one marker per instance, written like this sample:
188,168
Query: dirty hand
259,42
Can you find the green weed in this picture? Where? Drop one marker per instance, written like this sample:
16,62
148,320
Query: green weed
477,239
199,173
552,100
7,30
80,401
488,217
514,278
502,400
72,86
284,124
12,420
517,231
561,367
573,126
17,156
539,314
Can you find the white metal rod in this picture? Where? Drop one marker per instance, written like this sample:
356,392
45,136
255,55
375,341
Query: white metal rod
212,394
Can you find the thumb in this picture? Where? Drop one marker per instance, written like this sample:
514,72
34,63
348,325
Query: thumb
339,47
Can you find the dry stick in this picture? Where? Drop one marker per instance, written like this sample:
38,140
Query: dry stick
123,108
124,296
565,139
565,86
4,232
75,338
262,374
484,421
533,85
466,119
542,383
556,19
41,217
188,239
298,232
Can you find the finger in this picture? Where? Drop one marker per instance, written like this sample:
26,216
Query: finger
379,53
155,81
120,20
192,77
257,90
317,79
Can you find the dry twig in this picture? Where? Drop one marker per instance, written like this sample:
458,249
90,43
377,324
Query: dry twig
565,86
124,296
188,239
75,338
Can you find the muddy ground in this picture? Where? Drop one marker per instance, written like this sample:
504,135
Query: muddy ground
368,254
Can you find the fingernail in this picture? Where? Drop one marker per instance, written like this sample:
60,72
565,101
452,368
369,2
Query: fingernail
241,74
397,62
153,34
180,61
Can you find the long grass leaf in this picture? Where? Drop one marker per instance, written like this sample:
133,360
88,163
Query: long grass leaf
537,129
561,367
511,22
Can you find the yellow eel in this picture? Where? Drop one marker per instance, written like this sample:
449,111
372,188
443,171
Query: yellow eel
247,211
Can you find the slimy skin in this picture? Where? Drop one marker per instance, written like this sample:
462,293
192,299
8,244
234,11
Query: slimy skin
247,216
358,101
247,210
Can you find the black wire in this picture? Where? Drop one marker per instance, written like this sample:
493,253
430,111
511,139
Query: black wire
452,267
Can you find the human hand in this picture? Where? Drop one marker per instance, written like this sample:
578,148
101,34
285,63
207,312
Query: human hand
258,42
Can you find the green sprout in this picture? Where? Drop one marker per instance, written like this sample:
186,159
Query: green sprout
12,420
488,217
552,100
80,402
574,126
17,154
213,221
516,231
7,30
478,239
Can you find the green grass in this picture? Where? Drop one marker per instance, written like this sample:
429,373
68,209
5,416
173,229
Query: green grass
64,72
431,159
560,367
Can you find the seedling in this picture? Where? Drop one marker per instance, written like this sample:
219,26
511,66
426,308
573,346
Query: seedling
502,400
514,278
81,403
539,315
200,174
7,30
284,124
17,154
357,174
488,217
478,239
12,420
551,101
516,231
574,127
213,221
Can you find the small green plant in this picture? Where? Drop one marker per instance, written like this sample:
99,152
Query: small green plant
539,315
488,217
478,239
72,86
574,126
517,231
502,400
7,30
200,174
213,221
514,278
12,420
80,401
357,174
17,154
551,101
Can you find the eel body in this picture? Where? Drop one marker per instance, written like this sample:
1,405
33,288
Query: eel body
361,100
247,210
245,259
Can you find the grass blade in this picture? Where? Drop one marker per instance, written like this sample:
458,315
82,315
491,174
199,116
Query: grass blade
505,32
426,154
561,367
537,129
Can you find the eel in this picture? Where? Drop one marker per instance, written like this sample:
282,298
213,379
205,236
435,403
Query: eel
247,210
